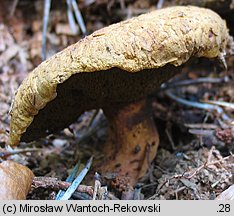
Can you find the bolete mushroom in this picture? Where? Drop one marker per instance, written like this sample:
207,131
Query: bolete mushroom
115,68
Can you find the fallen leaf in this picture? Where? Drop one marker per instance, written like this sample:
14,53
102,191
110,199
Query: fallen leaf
228,194
15,179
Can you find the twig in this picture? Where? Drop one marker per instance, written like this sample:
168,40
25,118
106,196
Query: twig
215,183
97,186
160,4
7,153
79,17
220,103
54,183
197,81
170,139
179,189
81,191
201,132
95,118
100,191
210,154
202,126
14,5
205,106
71,18
47,5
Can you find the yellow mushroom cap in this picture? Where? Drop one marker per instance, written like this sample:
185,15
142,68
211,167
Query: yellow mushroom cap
124,61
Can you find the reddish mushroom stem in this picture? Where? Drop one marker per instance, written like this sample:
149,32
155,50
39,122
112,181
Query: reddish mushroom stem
133,140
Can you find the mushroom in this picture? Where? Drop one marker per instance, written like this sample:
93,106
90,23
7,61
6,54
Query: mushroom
114,69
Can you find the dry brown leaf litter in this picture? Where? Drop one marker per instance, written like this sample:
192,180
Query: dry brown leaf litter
15,179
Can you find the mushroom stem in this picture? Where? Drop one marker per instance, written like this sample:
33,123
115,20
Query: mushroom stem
133,140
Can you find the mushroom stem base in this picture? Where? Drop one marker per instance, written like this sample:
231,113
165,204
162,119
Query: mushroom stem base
133,141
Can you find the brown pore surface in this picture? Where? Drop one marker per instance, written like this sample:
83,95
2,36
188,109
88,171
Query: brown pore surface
82,92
